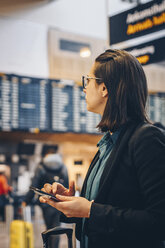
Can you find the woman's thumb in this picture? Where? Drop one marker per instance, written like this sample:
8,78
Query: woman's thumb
63,198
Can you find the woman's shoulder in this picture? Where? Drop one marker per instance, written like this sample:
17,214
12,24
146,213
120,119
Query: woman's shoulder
149,129
146,133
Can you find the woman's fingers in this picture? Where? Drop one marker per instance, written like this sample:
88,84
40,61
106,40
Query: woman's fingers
58,188
42,199
71,206
54,188
72,188
48,188
64,198
52,203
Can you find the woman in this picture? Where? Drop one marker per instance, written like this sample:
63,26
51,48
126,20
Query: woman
122,203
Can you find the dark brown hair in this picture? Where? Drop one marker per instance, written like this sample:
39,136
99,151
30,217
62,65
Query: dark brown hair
126,83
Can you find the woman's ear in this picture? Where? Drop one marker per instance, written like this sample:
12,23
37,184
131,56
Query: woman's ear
104,90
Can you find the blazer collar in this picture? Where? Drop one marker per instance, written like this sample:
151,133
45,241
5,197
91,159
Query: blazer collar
112,162
114,159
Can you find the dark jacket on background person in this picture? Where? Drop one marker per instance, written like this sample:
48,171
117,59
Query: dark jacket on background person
51,170
129,210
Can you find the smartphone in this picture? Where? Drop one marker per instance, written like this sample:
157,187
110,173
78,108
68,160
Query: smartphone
42,193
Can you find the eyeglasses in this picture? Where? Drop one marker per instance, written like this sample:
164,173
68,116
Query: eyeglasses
85,80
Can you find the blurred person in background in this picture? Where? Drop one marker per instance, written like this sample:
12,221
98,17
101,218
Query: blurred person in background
5,189
52,169
122,201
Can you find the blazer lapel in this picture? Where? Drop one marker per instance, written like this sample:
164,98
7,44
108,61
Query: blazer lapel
114,160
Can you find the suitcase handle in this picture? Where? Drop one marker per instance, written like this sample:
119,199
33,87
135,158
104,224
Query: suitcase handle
57,231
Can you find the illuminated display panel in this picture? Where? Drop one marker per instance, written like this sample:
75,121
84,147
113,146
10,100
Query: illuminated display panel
139,21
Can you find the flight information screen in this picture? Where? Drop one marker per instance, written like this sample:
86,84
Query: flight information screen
156,107
44,105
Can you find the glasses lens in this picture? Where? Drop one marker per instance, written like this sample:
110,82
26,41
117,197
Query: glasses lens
83,82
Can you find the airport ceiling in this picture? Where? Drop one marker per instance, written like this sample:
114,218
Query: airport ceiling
23,2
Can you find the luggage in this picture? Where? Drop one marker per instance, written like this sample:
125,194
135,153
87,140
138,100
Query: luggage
21,233
57,231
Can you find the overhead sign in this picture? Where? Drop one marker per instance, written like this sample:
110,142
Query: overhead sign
136,22
149,52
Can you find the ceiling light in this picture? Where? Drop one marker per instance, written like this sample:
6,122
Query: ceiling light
85,52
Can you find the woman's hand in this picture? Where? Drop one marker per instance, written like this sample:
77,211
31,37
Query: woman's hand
71,206
57,188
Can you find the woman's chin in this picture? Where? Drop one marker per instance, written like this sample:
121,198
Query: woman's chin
89,109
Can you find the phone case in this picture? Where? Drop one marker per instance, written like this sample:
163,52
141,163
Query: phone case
42,193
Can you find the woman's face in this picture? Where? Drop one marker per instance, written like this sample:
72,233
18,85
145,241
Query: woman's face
96,94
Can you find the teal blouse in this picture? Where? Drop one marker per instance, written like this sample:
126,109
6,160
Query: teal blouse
105,146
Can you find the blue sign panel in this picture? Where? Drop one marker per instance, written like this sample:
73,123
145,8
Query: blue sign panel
33,104
62,104
156,107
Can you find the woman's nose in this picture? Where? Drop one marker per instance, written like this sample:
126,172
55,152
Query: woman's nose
84,90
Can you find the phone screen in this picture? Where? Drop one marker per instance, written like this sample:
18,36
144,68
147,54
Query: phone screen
42,193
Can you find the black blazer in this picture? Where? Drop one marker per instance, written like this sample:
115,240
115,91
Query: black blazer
129,211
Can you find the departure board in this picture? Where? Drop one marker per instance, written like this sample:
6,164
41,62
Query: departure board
83,120
34,104
44,105
23,103
62,104
156,107
6,103
68,109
